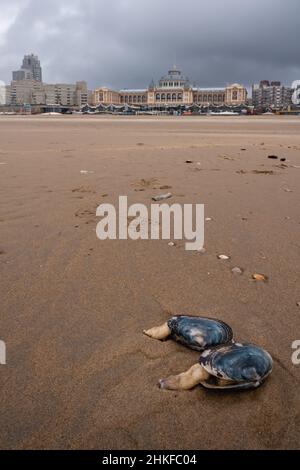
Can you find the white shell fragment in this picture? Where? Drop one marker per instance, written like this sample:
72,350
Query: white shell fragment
223,257
162,197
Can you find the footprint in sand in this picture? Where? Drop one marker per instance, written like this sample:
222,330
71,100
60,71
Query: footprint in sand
143,184
83,189
263,172
84,213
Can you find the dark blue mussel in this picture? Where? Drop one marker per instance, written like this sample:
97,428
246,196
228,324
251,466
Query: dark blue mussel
240,366
199,333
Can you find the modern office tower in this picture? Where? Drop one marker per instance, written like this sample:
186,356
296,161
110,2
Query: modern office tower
30,70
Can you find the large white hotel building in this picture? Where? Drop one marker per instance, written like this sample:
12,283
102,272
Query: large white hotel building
174,89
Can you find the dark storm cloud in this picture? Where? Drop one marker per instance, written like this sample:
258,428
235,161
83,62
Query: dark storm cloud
126,43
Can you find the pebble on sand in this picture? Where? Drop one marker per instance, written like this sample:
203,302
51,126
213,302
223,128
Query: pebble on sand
171,244
189,161
273,157
298,304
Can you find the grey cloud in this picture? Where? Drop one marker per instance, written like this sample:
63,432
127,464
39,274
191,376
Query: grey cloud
126,43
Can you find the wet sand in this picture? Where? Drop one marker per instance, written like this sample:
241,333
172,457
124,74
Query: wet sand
79,372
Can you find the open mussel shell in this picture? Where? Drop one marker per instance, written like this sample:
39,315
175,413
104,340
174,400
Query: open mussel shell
199,333
240,366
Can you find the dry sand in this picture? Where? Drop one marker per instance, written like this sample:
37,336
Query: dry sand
79,372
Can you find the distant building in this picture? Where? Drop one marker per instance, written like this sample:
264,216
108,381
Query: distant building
66,94
296,93
271,95
23,92
173,89
28,88
30,70
37,93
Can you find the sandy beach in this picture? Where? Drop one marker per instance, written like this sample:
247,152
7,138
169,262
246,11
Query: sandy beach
80,374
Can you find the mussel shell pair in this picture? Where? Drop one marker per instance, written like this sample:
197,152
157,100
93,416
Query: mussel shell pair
241,366
199,333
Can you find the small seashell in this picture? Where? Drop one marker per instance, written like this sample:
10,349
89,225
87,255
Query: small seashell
260,277
162,197
208,219
171,244
223,257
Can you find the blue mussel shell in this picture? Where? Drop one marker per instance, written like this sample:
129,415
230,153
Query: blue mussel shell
199,333
245,365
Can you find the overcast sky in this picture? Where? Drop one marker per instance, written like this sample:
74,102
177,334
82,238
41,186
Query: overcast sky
126,43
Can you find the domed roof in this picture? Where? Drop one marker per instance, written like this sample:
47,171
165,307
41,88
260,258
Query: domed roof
174,75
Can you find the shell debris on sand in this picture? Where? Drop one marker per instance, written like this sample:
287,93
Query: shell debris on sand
162,197
260,277
223,257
